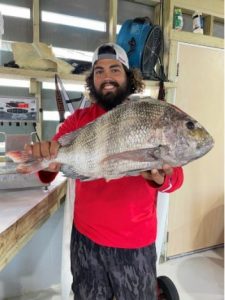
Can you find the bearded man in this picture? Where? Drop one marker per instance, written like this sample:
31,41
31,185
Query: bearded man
113,250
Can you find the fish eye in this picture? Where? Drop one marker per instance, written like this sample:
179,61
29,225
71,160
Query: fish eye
190,125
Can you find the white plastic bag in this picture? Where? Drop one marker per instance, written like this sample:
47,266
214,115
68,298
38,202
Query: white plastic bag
66,276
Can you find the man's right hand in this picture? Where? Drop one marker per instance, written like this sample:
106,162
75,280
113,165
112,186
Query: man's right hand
44,150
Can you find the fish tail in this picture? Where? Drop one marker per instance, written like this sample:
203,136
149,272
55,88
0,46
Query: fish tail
18,156
26,163
32,167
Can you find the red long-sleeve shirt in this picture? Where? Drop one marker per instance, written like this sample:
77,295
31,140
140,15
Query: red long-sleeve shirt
122,212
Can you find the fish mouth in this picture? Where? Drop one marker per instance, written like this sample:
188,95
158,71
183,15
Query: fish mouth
207,145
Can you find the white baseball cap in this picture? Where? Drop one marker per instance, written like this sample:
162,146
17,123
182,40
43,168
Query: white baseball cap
110,51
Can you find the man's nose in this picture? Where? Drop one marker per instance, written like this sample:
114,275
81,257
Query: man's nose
107,74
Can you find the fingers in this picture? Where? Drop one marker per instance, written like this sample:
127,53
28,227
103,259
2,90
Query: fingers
154,175
28,149
167,169
45,149
54,148
146,174
54,167
158,176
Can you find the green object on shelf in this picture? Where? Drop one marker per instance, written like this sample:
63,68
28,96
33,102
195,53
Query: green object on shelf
178,19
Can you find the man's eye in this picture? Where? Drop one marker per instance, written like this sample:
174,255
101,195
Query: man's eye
115,70
98,72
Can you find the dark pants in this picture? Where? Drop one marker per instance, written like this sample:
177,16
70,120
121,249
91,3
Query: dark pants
99,273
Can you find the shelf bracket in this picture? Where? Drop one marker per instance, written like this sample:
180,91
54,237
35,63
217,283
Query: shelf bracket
35,89
112,20
36,21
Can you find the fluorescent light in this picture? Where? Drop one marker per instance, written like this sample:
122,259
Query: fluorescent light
53,115
72,54
68,87
50,116
15,11
21,83
118,27
73,21
2,146
15,83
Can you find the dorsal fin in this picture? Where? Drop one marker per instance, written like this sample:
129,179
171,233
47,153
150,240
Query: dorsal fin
68,138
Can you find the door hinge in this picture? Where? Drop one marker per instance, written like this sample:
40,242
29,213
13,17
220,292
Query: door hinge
178,68
167,237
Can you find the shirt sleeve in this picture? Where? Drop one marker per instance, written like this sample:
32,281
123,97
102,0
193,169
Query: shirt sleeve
171,182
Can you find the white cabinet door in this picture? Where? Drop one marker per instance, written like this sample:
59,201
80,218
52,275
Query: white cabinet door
196,211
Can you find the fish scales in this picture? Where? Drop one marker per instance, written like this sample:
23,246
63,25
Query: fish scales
111,135
134,136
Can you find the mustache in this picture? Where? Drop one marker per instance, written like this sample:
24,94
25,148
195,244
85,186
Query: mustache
114,83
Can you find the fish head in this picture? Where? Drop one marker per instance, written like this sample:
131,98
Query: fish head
191,140
171,135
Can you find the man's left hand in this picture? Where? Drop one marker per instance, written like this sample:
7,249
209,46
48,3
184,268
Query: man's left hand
158,176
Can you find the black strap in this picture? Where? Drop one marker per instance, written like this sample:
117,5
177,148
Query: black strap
162,93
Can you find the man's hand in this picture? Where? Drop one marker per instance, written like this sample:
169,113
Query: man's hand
158,176
45,149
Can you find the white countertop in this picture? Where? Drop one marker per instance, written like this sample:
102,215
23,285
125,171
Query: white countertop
16,203
23,211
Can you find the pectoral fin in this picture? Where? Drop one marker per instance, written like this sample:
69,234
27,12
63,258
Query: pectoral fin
140,155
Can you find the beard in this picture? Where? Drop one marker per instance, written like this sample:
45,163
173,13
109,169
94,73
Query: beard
110,99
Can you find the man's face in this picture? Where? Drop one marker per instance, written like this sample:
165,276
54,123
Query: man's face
110,83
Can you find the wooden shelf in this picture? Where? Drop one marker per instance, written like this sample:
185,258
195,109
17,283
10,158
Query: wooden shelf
212,11
197,39
38,75
14,73
146,2
186,11
150,83
207,7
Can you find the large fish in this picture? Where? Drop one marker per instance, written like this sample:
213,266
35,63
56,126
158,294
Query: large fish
135,136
